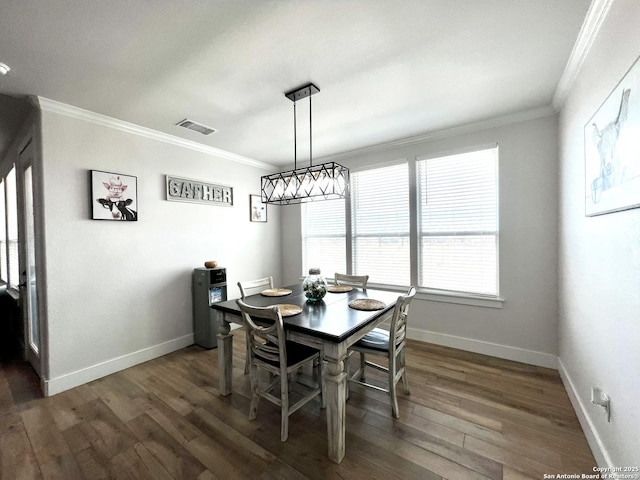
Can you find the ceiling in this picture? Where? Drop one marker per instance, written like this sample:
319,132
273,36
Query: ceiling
386,69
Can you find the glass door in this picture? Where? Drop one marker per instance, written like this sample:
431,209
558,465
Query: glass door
29,291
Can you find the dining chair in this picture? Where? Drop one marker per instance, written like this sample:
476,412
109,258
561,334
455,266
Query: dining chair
359,281
392,345
270,351
251,287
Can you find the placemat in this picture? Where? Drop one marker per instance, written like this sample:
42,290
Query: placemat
276,292
287,310
339,288
366,304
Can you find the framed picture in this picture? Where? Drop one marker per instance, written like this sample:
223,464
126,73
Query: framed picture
257,209
612,150
114,196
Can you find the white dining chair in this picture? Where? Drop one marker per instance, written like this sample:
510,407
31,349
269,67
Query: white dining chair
269,350
251,287
359,281
392,345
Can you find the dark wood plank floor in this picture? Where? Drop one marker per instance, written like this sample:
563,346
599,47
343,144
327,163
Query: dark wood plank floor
468,416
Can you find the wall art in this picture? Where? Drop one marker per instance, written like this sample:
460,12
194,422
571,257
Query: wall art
612,150
114,196
195,191
257,209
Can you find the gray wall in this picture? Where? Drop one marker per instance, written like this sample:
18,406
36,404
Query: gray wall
119,293
599,281
524,329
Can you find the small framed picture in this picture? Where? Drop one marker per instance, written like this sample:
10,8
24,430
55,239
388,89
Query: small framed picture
257,209
114,196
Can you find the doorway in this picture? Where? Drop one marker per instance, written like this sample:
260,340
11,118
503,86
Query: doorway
29,300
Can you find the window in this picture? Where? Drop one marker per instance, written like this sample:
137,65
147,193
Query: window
451,248
12,229
458,222
323,237
380,224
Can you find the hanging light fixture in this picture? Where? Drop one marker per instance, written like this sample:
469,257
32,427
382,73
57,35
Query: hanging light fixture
327,181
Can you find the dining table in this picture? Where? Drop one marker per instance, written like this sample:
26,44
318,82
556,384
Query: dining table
331,325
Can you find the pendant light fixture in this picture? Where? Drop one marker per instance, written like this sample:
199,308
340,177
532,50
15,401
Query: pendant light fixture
327,181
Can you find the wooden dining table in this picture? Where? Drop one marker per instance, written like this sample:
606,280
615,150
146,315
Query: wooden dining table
329,325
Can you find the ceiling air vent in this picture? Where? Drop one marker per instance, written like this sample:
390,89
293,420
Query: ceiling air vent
197,127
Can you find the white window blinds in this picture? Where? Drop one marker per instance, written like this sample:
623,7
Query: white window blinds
458,222
12,228
323,237
380,224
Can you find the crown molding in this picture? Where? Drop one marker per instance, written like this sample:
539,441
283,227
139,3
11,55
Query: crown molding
48,105
524,116
596,16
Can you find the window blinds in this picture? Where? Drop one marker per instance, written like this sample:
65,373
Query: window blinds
12,228
380,224
458,222
323,237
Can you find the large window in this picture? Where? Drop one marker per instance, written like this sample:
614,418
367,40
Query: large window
380,224
458,222
443,239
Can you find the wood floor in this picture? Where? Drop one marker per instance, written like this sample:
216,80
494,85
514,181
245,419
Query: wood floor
468,417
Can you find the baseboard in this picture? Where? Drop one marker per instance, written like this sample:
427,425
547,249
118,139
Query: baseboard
596,445
80,377
530,357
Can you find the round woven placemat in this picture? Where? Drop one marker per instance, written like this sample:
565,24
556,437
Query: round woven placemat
287,310
339,288
276,292
366,304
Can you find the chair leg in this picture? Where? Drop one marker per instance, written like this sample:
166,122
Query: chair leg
346,384
246,363
405,379
253,409
284,411
363,363
392,387
320,373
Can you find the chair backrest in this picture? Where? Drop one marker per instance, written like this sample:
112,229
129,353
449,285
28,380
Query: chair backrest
251,287
398,329
265,334
351,280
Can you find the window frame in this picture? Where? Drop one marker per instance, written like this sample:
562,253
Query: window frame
494,232
425,293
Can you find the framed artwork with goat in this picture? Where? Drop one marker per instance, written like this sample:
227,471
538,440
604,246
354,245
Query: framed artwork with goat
612,149
114,196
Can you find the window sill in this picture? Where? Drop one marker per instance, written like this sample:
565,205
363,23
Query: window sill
448,297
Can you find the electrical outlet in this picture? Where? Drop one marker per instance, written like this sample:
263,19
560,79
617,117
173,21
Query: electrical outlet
598,397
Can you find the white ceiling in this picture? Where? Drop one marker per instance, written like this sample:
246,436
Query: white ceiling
386,69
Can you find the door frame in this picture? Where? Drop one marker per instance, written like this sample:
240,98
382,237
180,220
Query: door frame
30,137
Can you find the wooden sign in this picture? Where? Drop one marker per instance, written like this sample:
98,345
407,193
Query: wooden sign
195,191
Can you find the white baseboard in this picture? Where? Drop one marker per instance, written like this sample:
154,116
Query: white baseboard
596,445
80,377
530,357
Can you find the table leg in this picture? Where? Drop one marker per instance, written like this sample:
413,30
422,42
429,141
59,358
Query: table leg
225,358
335,390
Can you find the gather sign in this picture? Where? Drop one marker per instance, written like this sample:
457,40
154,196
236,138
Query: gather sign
195,191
